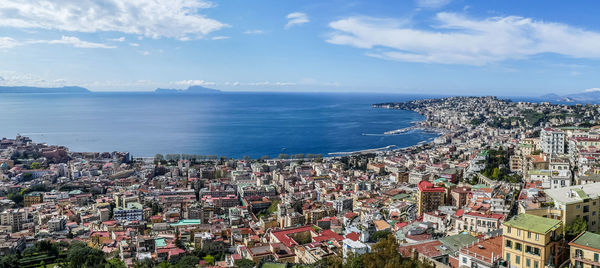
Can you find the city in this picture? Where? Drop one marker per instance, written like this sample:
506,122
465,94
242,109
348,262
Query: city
506,184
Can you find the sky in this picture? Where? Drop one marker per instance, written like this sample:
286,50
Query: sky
520,48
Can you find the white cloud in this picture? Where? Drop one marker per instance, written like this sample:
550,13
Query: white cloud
151,18
432,3
8,42
194,83
73,41
254,32
134,44
12,78
220,37
595,89
296,18
120,39
457,39
145,53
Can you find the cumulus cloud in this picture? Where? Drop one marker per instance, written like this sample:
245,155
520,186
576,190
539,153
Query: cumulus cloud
73,41
134,44
254,32
151,18
457,39
432,3
296,18
595,89
194,83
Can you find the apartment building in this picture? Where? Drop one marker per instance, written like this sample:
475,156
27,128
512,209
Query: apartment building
585,250
578,201
429,197
531,241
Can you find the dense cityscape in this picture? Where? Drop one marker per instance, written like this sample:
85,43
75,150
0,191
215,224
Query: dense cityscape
505,184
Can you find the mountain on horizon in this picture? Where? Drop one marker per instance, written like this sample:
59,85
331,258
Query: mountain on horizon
189,90
584,97
25,89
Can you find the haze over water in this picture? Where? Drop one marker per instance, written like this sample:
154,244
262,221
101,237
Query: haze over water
227,124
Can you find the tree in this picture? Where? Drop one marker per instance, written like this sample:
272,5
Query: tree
35,165
80,255
209,259
579,225
244,263
188,261
495,173
9,261
115,263
383,254
379,235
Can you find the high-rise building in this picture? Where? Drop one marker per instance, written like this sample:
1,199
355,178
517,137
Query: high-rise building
429,197
552,141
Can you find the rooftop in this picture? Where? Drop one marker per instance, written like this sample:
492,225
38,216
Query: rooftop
574,194
587,239
533,223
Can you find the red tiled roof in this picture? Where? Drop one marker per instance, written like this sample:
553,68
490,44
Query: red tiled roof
425,186
427,249
353,236
282,235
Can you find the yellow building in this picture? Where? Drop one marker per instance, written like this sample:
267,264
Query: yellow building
33,198
531,241
578,201
585,250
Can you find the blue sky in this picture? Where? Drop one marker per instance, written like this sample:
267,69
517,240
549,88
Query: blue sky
423,46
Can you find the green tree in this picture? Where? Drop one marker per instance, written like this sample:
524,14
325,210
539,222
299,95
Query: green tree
244,263
495,173
188,262
115,263
579,225
383,254
379,235
80,255
209,259
35,165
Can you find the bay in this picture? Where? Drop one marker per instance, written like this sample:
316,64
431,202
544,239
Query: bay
232,124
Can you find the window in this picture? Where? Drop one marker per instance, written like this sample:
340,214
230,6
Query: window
527,249
518,232
528,234
508,230
464,260
518,259
536,251
518,246
528,262
508,244
535,264
508,257
596,257
537,237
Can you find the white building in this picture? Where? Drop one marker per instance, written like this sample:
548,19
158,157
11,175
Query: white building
552,141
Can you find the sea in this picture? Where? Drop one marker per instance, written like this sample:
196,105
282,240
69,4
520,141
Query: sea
230,124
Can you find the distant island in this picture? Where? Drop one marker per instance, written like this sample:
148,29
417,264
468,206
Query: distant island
584,97
189,90
22,89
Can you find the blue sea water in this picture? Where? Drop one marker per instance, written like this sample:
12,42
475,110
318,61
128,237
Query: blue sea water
228,124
